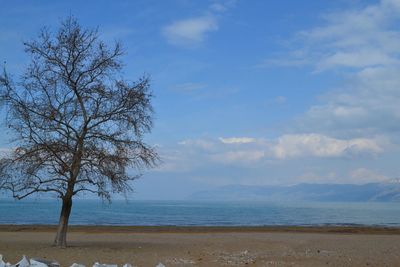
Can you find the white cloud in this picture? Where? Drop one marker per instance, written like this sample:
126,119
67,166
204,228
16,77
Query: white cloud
363,43
190,31
362,58
367,105
357,120
222,6
246,151
288,159
234,150
198,143
357,38
237,140
317,145
363,175
238,156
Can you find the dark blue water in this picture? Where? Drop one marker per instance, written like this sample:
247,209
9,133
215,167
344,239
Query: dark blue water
121,212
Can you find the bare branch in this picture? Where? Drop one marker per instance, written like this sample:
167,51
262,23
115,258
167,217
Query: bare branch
78,126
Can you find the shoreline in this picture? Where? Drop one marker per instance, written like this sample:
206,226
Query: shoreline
362,229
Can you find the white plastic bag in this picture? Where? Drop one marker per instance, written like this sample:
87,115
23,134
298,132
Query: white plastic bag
2,263
22,263
35,263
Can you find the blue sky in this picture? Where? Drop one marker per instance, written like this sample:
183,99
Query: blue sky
249,92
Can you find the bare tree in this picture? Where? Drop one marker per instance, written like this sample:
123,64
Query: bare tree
78,126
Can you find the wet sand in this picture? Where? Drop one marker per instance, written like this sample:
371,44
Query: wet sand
208,246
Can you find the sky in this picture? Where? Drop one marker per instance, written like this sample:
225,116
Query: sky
247,92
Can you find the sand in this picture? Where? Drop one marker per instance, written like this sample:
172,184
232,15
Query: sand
203,246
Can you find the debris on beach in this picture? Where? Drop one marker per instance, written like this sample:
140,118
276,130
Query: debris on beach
23,262
102,265
2,263
237,259
96,264
180,261
35,262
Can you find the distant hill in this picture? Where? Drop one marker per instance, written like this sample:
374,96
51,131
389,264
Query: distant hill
385,192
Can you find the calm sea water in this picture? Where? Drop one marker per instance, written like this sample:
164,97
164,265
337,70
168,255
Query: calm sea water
121,212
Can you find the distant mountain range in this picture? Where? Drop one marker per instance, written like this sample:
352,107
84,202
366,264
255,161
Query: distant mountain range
385,192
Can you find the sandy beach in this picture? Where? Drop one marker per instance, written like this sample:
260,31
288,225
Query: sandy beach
208,246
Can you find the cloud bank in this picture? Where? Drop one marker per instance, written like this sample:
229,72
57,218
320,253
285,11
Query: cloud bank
246,150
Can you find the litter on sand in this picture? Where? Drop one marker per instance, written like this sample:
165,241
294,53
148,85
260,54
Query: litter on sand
104,265
36,262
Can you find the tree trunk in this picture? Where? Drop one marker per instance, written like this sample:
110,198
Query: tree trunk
61,237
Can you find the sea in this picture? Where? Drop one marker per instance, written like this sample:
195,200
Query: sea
204,213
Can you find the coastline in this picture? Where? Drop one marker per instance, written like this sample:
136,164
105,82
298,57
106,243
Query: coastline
344,229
